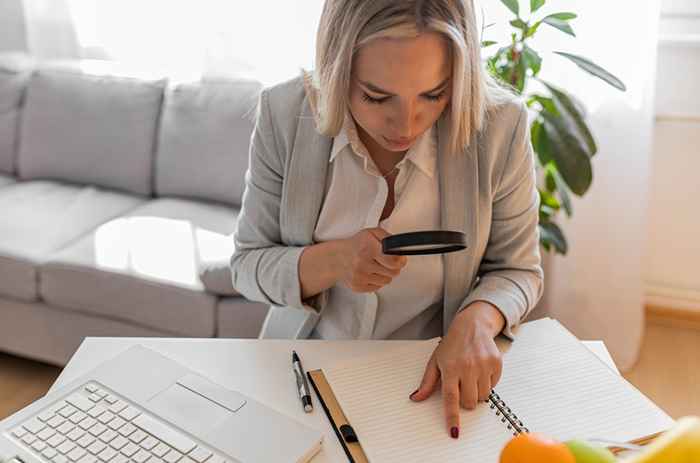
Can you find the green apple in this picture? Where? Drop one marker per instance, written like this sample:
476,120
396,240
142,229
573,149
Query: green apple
585,452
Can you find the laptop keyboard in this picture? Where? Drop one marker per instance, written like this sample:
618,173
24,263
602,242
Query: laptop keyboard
94,425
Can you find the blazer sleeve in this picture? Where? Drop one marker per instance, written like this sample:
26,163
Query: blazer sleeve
510,275
262,268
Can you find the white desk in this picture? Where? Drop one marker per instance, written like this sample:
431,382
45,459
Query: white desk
260,369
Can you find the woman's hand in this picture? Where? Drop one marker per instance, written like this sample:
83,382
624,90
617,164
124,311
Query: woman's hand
467,362
364,267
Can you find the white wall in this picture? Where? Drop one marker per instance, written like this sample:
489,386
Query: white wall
672,272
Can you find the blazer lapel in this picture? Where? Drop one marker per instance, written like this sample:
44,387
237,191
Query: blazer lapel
305,181
458,180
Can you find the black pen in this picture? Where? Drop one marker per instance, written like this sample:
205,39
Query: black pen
302,385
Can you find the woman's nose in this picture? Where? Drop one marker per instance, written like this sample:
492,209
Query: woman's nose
404,121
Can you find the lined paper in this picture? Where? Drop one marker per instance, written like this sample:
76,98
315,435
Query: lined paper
559,388
373,394
550,380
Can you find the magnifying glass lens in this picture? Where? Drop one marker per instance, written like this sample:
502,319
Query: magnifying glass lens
424,242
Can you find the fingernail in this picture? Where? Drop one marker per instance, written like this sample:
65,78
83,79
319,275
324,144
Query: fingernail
412,394
454,432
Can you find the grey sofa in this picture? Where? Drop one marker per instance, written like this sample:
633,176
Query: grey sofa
118,200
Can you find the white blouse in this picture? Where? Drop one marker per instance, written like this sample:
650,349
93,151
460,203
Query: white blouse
410,307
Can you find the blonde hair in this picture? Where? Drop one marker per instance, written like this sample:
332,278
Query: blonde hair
347,25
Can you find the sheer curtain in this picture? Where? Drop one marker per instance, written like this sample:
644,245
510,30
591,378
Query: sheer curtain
42,28
266,39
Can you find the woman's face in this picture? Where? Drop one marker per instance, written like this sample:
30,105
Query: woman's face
398,89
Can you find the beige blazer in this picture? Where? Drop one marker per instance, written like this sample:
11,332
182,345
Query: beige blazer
488,192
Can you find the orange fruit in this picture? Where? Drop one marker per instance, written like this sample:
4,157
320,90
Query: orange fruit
535,448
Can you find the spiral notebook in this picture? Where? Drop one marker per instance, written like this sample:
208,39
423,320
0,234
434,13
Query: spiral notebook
551,384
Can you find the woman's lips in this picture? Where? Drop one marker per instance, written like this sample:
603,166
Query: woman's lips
402,143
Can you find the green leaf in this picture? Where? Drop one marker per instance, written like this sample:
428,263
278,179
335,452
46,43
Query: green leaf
491,66
520,24
568,109
549,200
563,191
529,102
532,60
551,235
488,43
549,183
568,153
540,143
547,104
594,69
507,74
545,213
561,188
560,24
531,31
579,106
512,6
535,5
564,16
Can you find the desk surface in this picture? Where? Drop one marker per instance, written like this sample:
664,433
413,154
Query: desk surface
260,369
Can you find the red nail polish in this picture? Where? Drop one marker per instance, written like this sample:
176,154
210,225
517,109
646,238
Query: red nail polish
455,432
412,394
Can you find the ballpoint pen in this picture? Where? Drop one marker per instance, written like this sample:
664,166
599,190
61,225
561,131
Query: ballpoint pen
302,384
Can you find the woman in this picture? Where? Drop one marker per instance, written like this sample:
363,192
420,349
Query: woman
398,129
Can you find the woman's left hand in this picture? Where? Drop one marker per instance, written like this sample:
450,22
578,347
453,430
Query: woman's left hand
467,362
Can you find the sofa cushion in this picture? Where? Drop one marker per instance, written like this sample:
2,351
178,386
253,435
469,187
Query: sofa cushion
40,217
203,140
12,86
85,128
143,267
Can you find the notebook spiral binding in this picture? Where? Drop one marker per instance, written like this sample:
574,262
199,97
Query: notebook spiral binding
506,414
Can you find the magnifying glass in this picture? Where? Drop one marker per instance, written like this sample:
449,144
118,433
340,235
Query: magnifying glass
424,242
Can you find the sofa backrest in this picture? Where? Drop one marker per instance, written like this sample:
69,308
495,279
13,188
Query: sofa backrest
203,139
90,128
13,82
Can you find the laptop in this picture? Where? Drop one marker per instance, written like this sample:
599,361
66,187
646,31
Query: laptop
142,407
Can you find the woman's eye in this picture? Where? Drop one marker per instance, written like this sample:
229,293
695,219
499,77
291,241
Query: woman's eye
369,99
372,100
436,97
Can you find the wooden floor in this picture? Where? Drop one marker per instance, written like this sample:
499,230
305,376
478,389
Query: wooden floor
22,382
667,371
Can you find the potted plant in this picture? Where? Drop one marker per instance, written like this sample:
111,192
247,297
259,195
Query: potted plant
561,139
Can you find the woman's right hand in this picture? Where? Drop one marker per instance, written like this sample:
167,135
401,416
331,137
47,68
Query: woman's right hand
364,267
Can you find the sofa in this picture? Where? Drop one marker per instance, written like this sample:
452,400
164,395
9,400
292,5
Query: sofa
119,195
